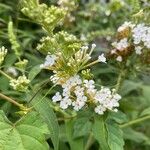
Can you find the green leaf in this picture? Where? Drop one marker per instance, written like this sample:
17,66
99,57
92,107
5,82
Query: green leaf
115,136
129,86
82,127
100,132
43,106
119,117
135,136
145,112
75,144
26,134
34,72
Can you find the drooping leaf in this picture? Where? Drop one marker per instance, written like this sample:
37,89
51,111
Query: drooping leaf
27,134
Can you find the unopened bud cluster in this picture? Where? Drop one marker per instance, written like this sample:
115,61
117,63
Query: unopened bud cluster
3,53
20,84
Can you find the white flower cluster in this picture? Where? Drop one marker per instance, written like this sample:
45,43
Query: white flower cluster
78,93
121,45
20,84
141,37
136,35
125,25
49,61
3,52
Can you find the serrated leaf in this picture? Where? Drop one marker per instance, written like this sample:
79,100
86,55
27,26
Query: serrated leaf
48,115
34,72
75,144
100,132
82,127
119,117
115,136
23,135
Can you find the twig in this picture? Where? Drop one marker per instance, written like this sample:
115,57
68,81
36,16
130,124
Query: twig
6,75
89,141
130,123
13,101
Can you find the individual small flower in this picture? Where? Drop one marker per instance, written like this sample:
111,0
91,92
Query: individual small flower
119,58
57,97
78,104
138,50
49,61
20,84
100,109
3,53
12,70
102,58
65,103
89,84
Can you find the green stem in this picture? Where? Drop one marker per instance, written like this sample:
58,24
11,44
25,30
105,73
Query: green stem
91,64
13,101
120,79
138,120
90,141
6,75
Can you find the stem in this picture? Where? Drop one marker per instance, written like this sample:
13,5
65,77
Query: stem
130,123
6,75
13,101
120,79
45,83
89,142
90,64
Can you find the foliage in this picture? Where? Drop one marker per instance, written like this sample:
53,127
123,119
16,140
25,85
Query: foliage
82,96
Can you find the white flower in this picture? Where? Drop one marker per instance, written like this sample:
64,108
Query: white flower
102,58
141,33
78,104
65,103
122,44
13,71
49,61
100,109
125,25
57,97
102,95
119,58
3,53
54,78
107,99
138,50
79,91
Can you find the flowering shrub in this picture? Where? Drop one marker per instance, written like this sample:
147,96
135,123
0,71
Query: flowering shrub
72,85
